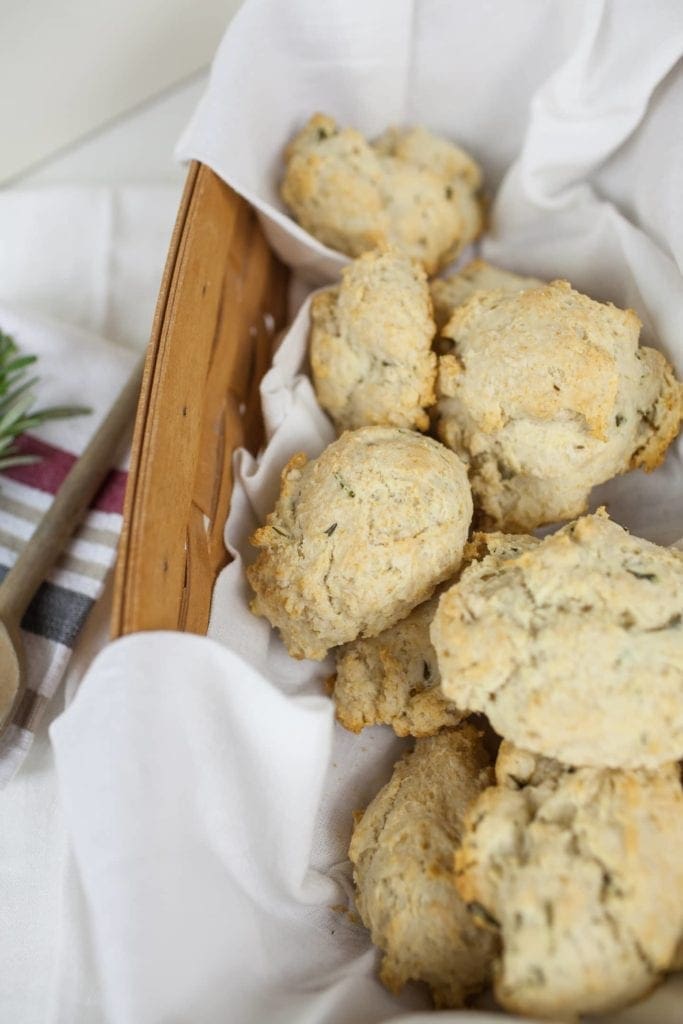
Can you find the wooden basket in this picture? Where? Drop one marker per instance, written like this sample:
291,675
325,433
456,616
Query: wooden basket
222,300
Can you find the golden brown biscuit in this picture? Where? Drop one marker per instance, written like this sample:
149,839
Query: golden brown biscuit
333,186
477,276
579,870
370,344
359,537
574,649
546,394
430,189
393,678
402,851
409,189
419,147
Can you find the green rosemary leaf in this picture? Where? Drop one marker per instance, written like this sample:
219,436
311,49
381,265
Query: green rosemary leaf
7,445
17,364
61,412
7,400
7,344
15,412
19,426
17,398
18,460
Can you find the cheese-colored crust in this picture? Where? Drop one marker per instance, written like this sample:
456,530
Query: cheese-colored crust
359,537
370,344
409,189
579,870
393,679
477,276
402,851
574,649
546,394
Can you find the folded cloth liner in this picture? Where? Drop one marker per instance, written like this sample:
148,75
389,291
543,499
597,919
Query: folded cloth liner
208,792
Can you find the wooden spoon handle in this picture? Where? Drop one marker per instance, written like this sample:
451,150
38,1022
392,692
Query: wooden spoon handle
71,501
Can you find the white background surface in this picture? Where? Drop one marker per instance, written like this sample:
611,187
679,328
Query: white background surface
70,65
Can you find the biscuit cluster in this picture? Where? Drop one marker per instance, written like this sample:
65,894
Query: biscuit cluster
409,189
531,838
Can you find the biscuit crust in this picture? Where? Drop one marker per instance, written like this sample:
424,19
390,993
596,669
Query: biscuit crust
580,871
359,537
409,189
546,394
393,678
402,852
477,276
370,344
574,649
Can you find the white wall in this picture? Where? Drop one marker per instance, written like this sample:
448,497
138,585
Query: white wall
68,66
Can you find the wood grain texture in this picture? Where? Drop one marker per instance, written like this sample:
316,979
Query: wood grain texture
222,300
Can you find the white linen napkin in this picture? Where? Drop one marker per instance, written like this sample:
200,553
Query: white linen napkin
211,825
74,366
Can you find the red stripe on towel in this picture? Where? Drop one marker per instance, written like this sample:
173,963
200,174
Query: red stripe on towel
48,474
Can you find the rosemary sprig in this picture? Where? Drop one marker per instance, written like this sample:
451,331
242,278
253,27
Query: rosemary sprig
17,414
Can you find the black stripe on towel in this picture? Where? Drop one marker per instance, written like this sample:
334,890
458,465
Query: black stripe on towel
55,613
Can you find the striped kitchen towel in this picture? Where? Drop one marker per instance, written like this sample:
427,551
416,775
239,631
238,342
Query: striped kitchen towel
74,367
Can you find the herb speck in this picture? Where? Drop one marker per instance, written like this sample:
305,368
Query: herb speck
344,486
480,912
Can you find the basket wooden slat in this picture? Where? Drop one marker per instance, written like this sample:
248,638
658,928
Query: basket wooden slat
221,301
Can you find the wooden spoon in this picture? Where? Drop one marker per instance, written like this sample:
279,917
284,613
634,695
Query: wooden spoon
48,539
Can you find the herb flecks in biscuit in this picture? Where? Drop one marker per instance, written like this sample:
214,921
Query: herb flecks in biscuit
359,537
409,189
573,650
546,394
402,851
370,344
580,871
393,679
